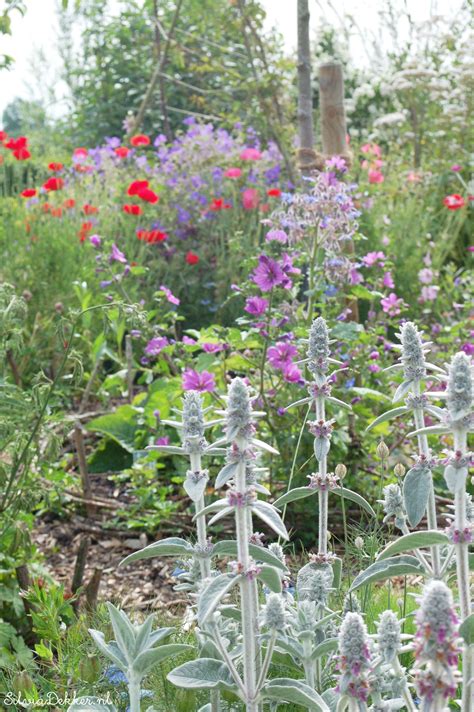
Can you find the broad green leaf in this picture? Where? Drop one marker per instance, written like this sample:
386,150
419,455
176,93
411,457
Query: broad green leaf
172,546
119,426
213,593
146,660
354,497
270,578
381,570
294,691
466,630
414,540
416,488
294,494
91,704
259,553
324,648
393,413
270,516
202,673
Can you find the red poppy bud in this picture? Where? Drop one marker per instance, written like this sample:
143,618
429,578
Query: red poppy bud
140,140
274,192
69,203
89,209
55,166
132,209
28,193
192,258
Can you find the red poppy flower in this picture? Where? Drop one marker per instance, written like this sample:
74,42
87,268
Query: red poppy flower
89,209
21,154
218,204
55,166
87,226
15,144
80,152
28,193
274,192
192,258
132,209
154,236
454,202
136,186
3,136
56,212
122,151
53,184
148,195
140,140
69,203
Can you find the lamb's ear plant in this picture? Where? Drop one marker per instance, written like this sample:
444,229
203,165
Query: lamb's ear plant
136,649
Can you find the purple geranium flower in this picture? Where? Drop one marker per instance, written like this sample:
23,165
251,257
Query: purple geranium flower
195,381
268,274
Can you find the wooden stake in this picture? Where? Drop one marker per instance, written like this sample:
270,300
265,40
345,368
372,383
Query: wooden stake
92,589
80,567
82,463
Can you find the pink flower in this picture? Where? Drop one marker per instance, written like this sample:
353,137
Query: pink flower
456,167
267,274
375,176
233,173
392,305
95,240
429,294
277,236
291,373
387,280
454,202
256,306
212,348
281,355
163,440
250,199
188,341
374,367
116,255
169,295
413,177
425,275
195,381
374,355
156,345
250,154
355,277
372,258
373,148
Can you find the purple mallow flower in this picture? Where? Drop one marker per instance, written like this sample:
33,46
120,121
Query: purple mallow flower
195,381
156,345
256,306
268,274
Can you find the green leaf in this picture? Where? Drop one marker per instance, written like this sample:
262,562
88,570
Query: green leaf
354,497
466,630
119,426
259,553
202,673
172,546
146,660
414,540
294,691
381,570
294,494
213,593
324,648
393,413
270,578
416,489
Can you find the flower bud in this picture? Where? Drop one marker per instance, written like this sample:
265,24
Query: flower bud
340,471
399,469
359,543
413,357
239,412
382,450
388,635
354,658
273,613
318,349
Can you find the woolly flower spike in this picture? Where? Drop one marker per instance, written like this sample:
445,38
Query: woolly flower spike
393,505
193,416
436,649
388,635
354,658
318,348
459,387
239,412
273,613
413,357
351,604
318,587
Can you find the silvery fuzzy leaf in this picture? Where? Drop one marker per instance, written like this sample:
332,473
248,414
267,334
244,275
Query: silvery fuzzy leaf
172,546
212,595
264,446
166,449
202,673
299,402
91,704
173,423
382,570
294,691
271,578
270,516
393,413
115,655
213,507
294,494
227,472
146,660
160,634
206,708
402,390
340,403
259,553
455,478
416,488
354,497
260,488
142,634
329,645
220,515
466,630
413,540
195,489
432,367
321,448
123,631
431,430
